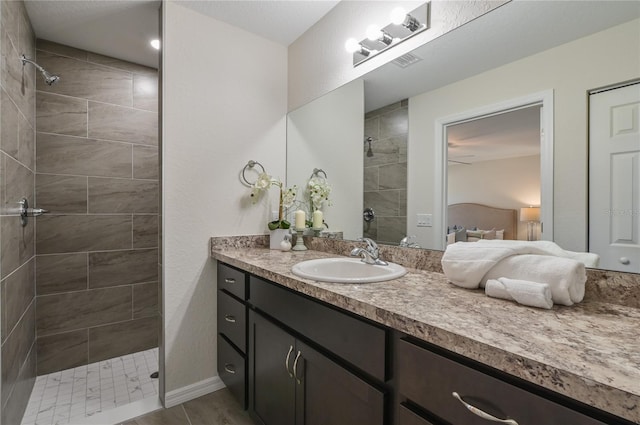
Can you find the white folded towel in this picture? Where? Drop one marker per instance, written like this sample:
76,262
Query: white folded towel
566,277
465,263
524,292
589,259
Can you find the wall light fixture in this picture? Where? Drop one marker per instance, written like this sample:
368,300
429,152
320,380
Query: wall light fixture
403,26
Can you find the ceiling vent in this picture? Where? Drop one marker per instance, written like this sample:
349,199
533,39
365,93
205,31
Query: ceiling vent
406,60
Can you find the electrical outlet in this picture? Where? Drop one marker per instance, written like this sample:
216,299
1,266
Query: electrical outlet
425,220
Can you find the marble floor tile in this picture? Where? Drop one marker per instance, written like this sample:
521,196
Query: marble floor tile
72,394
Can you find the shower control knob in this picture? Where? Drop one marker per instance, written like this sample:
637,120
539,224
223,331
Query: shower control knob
25,211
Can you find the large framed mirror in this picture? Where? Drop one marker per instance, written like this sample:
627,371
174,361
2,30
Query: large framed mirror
402,144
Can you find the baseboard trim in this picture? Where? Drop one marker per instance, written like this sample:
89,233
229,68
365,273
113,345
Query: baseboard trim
198,389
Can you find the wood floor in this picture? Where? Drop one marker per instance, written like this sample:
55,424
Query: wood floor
218,408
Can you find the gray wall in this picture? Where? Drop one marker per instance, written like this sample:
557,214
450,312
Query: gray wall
385,173
17,165
97,173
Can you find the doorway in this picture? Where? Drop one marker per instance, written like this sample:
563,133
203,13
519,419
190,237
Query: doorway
473,125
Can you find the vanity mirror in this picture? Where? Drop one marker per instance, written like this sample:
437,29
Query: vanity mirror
554,53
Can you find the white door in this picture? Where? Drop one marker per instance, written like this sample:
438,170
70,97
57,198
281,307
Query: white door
614,178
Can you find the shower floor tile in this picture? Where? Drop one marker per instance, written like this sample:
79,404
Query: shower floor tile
62,397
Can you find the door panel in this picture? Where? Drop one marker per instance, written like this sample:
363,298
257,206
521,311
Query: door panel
614,178
272,389
329,394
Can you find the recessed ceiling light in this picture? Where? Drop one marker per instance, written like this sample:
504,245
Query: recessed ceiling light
155,44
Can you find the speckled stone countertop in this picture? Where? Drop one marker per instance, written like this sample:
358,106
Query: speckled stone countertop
589,352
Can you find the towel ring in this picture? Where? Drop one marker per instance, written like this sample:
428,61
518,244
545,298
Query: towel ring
250,165
317,171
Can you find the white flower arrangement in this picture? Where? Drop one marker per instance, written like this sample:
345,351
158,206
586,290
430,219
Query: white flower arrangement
287,198
319,190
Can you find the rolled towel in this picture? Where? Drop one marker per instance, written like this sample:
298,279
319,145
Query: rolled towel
524,292
565,277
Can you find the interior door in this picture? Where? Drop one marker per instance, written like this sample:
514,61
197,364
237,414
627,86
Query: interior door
614,177
272,387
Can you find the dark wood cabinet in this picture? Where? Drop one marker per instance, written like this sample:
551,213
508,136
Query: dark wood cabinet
429,380
232,330
294,360
291,383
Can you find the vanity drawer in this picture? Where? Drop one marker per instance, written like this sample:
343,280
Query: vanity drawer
231,369
356,341
232,320
407,417
428,380
232,281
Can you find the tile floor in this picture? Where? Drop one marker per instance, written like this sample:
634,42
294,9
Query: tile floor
69,395
218,408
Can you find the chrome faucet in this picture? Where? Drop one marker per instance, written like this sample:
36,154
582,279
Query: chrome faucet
370,254
408,242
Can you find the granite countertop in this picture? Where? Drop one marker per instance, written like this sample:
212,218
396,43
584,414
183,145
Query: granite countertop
589,352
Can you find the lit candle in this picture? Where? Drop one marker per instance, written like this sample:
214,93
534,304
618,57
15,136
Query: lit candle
317,219
300,219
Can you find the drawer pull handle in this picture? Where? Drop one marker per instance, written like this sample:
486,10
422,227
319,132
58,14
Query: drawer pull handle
482,414
295,368
230,368
229,280
286,361
229,318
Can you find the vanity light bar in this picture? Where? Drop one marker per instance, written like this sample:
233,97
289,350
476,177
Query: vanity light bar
402,27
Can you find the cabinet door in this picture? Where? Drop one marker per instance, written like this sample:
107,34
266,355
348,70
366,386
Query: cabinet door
329,394
272,387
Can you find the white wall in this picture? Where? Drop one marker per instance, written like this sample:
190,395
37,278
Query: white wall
224,102
504,183
571,70
331,144
318,62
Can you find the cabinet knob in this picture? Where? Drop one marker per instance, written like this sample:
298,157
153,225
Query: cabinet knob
230,318
229,367
482,414
229,280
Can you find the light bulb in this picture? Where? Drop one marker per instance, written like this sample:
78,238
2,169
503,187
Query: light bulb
155,44
373,32
352,45
398,15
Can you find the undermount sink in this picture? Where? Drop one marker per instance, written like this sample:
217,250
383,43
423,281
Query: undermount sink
346,270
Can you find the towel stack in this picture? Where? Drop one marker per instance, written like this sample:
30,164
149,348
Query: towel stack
521,271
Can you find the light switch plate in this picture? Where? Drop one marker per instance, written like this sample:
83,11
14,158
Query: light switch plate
425,220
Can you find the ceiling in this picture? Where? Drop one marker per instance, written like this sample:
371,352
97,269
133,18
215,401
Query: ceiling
507,135
510,32
123,28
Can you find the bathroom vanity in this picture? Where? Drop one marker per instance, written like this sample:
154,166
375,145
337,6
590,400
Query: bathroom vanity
415,350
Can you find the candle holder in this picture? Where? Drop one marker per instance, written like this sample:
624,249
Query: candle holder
317,231
299,246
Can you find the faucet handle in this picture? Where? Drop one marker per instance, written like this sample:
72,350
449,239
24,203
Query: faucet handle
372,247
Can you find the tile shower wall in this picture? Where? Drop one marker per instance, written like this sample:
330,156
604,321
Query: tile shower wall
97,172
385,172
17,247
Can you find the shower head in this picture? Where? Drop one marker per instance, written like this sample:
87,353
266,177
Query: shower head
49,78
369,151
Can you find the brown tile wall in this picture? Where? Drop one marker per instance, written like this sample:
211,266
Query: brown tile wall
385,172
17,244
97,166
